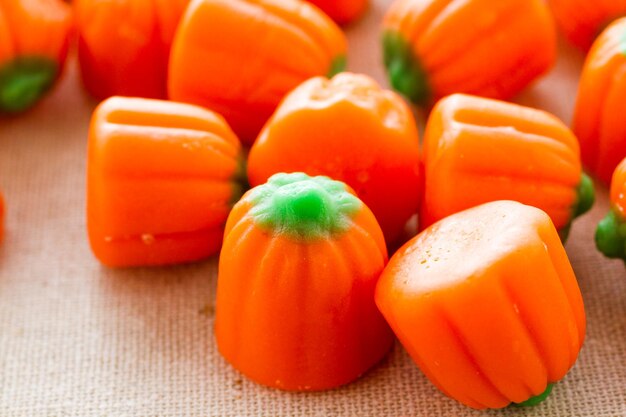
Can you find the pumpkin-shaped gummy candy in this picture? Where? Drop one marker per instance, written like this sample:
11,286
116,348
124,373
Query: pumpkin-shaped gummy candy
295,294
34,37
433,48
487,305
350,129
124,45
478,150
241,57
599,121
161,180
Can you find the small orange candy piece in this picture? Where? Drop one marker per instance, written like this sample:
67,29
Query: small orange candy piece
582,20
478,150
434,48
161,179
241,57
34,39
351,130
123,45
599,119
487,304
295,294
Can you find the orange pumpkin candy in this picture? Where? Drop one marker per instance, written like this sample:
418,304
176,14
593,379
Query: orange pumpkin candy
34,37
342,11
351,130
611,232
161,178
295,295
599,116
582,20
487,305
433,48
478,150
241,57
124,45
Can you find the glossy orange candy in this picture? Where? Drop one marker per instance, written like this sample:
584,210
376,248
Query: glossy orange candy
349,129
342,11
34,37
487,305
478,150
123,45
241,57
295,294
161,179
582,20
599,120
489,48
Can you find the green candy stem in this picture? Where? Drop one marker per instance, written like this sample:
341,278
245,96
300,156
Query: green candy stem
585,198
537,399
24,80
611,236
338,65
302,207
405,72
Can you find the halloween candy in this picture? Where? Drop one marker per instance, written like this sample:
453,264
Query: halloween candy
295,294
241,57
350,129
487,305
433,48
161,180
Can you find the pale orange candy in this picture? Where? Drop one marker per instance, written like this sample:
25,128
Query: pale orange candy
241,57
161,181
478,150
599,120
434,48
487,304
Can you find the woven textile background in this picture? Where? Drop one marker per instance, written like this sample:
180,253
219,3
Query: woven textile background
80,340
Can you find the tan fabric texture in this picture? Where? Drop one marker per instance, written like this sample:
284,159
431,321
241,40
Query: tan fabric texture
80,340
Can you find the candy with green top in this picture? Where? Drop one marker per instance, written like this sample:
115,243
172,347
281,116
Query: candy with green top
611,232
303,207
34,38
611,236
537,399
406,74
585,198
23,81
338,65
435,48
295,290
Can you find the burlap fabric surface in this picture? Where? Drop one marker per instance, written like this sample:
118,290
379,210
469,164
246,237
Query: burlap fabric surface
78,339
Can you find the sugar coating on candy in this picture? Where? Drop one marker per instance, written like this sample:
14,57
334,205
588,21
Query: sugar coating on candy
464,245
303,207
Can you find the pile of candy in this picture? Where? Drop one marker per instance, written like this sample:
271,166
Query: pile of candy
302,177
